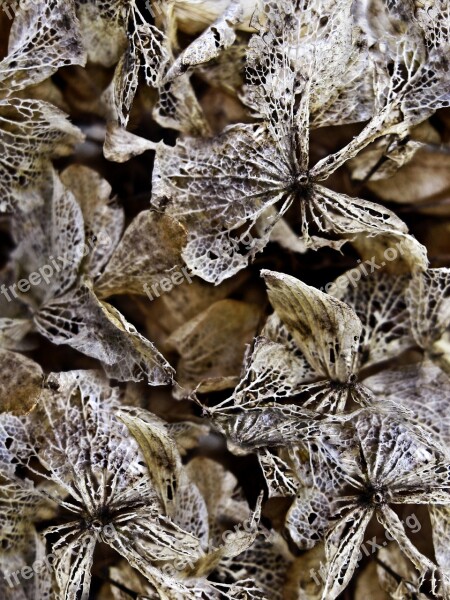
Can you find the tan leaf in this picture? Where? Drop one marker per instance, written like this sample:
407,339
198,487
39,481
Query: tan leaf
190,298
195,15
368,585
409,255
423,180
103,31
149,251
21,382
212,344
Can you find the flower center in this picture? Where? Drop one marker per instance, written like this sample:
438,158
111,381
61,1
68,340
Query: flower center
301,180
374,496
96,524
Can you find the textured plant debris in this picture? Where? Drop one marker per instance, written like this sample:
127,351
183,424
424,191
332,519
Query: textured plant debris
224,300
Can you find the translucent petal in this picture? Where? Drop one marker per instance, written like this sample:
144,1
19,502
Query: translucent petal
326,330
97,329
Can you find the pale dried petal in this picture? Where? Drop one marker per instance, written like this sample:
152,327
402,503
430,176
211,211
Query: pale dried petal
280,475
149,251
379,301
345,216
146,50
272,371
423,179
214,40
218,489
282,425
13,331
342,548
407,92
44,37
267,561
422,388
32,133
121,145
202,179
73,556
393,567
390,520
428,299
39,585
308,518
97,329
160,454
103,219
212,344
52,231
326,330
179,109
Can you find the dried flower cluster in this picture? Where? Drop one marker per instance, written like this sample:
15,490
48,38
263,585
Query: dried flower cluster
224,299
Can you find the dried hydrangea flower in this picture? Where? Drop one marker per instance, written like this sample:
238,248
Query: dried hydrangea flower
368,468
313,352
316,336
412,80
62,247
42,39
312,361
402,311
135,496
250,574
392,464
223,187
139,48
343,397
